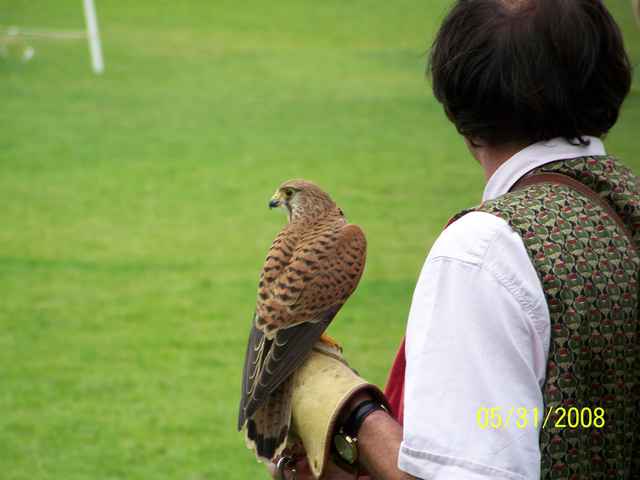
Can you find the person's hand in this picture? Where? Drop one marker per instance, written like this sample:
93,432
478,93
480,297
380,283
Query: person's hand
303,471
297,461
331,471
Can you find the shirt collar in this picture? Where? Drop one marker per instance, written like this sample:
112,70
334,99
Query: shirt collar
535,156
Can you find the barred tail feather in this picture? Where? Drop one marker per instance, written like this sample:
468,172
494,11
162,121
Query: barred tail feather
266,431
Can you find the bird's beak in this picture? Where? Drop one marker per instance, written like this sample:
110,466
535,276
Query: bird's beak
275,201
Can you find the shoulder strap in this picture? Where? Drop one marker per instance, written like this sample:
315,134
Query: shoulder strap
561,179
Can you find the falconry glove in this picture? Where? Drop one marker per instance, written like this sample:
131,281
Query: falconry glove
322,386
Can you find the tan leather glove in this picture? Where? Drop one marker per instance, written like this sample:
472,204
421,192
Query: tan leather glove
321,387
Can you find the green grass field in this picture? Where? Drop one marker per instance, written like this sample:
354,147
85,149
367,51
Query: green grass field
134,220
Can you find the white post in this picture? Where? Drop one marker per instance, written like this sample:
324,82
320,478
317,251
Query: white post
93,36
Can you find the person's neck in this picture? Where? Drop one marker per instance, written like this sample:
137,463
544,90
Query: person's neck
491,157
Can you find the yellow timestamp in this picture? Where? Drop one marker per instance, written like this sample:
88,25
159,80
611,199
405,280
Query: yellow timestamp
554,417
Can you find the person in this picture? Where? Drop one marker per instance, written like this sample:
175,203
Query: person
520,359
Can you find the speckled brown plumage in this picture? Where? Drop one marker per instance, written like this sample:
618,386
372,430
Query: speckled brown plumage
313,266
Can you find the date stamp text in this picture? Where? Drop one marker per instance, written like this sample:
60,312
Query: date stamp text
551,417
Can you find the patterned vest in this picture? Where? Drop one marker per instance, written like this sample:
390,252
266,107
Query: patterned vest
589,270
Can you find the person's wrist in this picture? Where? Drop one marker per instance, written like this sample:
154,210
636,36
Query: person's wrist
373,417
357,411
356,401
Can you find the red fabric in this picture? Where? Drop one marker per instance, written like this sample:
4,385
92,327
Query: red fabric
394,391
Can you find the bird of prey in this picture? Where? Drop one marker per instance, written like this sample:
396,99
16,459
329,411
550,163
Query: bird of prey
313,266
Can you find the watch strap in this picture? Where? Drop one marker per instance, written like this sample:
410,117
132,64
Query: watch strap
357,416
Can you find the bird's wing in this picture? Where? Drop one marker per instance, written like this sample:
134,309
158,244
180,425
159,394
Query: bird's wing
304,300
253,360
337,268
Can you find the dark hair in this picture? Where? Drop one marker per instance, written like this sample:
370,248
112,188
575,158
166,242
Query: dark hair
530,70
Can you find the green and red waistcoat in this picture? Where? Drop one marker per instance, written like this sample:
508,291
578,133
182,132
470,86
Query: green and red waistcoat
589,270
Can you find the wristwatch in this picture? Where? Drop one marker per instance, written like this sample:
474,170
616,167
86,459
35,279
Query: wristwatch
345,440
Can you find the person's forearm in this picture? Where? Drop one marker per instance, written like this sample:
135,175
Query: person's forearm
379,440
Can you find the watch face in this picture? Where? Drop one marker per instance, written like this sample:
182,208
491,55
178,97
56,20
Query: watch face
346,448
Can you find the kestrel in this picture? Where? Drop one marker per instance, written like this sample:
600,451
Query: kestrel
313,266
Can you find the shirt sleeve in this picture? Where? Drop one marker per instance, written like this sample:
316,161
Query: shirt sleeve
477,339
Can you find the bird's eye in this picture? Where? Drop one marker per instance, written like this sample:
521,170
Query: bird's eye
288,192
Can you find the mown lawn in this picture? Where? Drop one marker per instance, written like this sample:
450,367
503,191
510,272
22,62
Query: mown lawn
133,217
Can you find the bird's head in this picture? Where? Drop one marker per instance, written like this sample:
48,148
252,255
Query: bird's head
302,200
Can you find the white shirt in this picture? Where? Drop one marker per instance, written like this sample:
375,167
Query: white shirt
478,336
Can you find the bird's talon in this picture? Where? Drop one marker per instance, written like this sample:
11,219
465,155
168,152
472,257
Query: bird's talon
330,341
